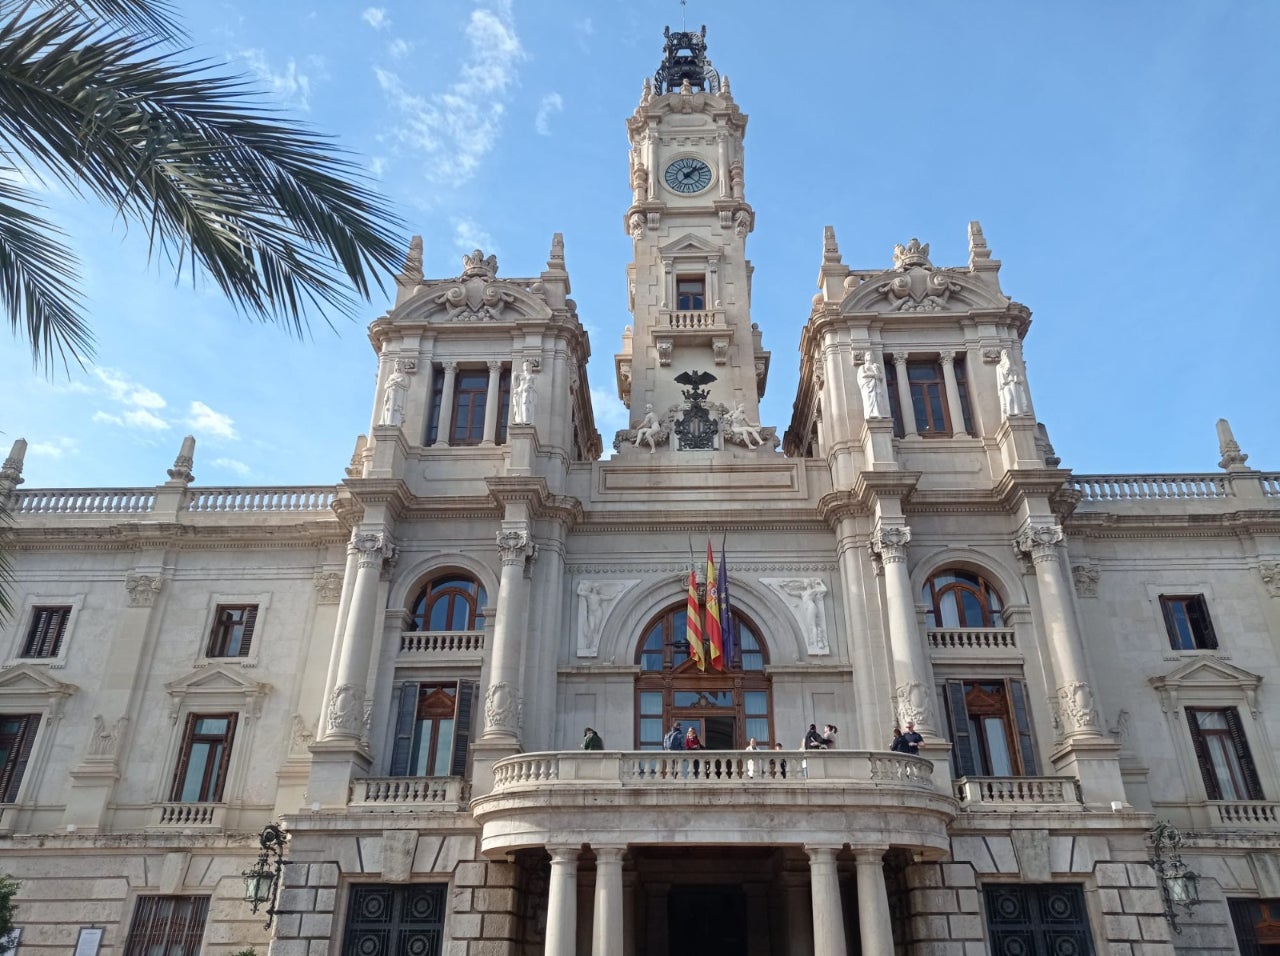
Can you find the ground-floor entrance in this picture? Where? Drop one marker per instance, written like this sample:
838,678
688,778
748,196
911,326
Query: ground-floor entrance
707,920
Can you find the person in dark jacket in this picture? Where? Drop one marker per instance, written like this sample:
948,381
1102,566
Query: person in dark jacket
814,740
913,740
591,740
674,740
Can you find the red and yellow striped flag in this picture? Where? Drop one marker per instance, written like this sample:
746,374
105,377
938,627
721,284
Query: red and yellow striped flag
712,624
693,624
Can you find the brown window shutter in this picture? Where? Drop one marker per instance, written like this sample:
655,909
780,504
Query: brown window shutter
1211,788
250,619
184,754
1252,783
11,773
226,758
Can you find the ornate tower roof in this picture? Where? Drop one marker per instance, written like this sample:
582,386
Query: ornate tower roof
684,58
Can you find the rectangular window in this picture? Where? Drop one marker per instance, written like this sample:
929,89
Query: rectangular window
48,627
895,406
389,920
232,632
1257,924
990,728
928,398
17,735
167,926
202,763
691,293
1186,618
470,393
1038,918
1223,754
433,729
437,400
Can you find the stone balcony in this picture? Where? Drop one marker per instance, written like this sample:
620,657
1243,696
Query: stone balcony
620,798
1242,814
188,816
451,647
409,794
978,794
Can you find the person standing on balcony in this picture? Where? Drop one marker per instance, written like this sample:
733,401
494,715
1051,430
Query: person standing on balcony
829,732
692,741
912,739
591,740
814,740
674,740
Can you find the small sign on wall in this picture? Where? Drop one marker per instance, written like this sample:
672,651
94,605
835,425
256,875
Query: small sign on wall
89,941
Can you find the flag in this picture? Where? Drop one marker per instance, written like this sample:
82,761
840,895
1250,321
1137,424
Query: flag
693,624
726,610
712,624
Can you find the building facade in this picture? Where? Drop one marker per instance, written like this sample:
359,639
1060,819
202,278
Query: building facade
399,667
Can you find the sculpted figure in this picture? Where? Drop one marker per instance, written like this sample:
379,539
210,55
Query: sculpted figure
648,430
811,591
393,396
1013,390
740,429
870,375
524,401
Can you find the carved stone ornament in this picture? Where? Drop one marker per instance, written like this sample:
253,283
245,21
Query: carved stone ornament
475,297
345,712
891,543
806,599
918,288
1269,571
636,225
665,347
1086,579
502,708
595,600
652,430
372,547
1075,707
300,736
515,546
143,589
328,587
106,740
912,699
1040,541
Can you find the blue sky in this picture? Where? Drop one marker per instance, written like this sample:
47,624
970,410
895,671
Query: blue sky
1122,158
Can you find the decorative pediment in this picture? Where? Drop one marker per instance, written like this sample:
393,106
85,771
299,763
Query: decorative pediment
25,681
216,686
477,295
1206,679
915,285
689,245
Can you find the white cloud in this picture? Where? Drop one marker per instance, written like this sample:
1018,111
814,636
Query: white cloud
53,449
291,86
107,419
231,464
399,48
126,392
551,103
457,128
376,17
141,418
377,166
204,419
467,235
611,415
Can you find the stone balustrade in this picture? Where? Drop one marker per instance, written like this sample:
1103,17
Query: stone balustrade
697,319
1263,814
123,501
1149,487
409,793
205,500
1017,793
441,644
205,816
1271,486
972,639
80,501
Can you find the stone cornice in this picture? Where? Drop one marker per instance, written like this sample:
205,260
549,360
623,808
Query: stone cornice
1108,524
870,485
133,536
1015,485
392,492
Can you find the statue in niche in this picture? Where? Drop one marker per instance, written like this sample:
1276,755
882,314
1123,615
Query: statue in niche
806,599
524,401
739,430
393,396
597,598
1013,389
649,430
870,377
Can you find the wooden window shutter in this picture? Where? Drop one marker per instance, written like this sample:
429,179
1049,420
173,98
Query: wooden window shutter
406,721
1171,629
1241,745
1211,788
11,773
965,761
1026,744
1201,625
225,762
462,728
250,619
184,754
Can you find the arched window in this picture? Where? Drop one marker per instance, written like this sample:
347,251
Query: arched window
726,708
450,602
958,598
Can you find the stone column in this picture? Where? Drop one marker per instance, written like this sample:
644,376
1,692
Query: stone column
799,941
873,903
445,425
828,915
503,700
491,404
911,681
344,710
562,902
948,357
1076,708
904,394
722,162
606,932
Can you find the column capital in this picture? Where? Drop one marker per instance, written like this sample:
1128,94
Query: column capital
821,854
449,366
515,547
1040,541
608,854
869,854
564,854
372,548
494,365
948,356
900,359
890,542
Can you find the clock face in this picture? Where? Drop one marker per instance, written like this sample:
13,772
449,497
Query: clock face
688,175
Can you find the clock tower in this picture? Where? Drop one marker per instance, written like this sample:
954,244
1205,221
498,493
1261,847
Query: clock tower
689,280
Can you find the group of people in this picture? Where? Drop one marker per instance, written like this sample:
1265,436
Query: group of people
906,741
820,741
678,738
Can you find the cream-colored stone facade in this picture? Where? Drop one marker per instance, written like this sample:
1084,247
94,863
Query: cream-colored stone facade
906,548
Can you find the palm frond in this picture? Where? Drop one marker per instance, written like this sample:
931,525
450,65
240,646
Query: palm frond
152,17
278,217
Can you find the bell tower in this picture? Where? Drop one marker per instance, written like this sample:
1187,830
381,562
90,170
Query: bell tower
689,280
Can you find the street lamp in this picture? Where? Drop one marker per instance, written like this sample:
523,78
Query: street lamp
1179,885
262,880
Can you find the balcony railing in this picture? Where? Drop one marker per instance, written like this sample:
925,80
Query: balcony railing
409,793
210,816
439,644
695,319
1149,487
972,639
1245,813
83,501
1017,793
204,500
660,768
